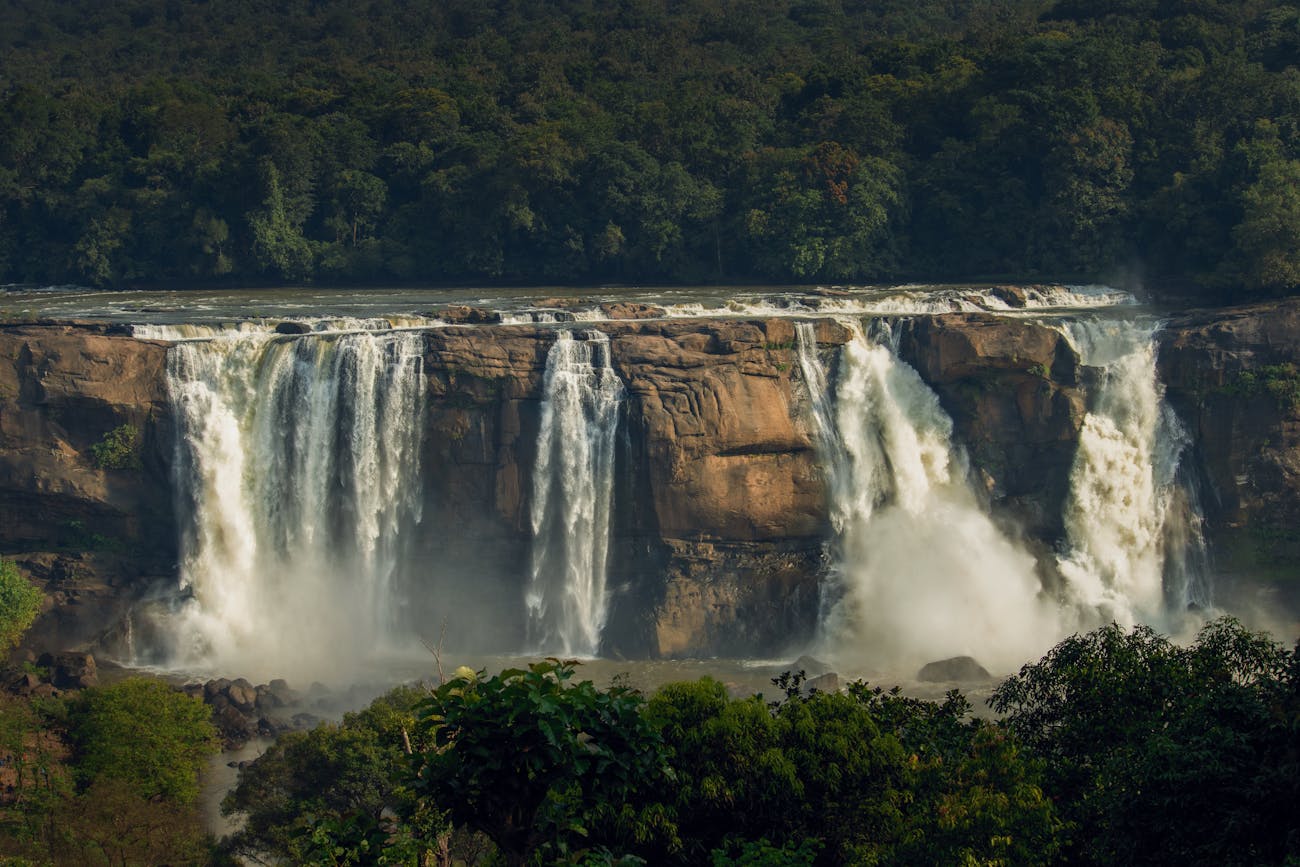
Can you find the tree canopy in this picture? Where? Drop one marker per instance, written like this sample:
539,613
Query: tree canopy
166,141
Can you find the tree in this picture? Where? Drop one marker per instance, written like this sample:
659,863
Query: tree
144,734
338,788
20,602
1160,754
1268,237
525,756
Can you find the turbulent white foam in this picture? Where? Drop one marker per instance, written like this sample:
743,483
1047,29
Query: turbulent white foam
300,460
573,482
1135,551
921,571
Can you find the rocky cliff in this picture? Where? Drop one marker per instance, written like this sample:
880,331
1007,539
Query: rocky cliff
88,512
1234,378
721,515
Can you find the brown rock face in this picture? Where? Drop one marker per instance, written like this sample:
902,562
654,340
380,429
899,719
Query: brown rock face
1234,378
1011,388
62,390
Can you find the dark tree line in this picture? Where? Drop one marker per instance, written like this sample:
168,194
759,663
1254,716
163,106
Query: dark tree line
162,141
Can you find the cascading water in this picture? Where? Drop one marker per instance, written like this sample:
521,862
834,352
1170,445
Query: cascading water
573,483
299,459
1134,552
922,572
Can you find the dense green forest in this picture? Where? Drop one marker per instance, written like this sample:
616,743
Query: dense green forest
1150,142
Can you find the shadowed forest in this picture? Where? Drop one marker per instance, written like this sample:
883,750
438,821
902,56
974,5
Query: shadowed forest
1141,142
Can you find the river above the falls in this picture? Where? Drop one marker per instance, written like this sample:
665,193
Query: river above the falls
413,307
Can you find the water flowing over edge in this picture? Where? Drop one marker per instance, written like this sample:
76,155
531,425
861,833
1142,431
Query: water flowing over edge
573,484
1134,547
298,470
919,570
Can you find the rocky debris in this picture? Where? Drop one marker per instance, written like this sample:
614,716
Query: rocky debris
462,314
241,711
70,670
293,328
52,674
631,310
958,669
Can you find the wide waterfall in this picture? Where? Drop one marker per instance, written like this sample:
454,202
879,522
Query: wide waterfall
1135,551
921,572
298,464
573,482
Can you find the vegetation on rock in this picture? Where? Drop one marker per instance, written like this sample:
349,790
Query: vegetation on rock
20,602
118,450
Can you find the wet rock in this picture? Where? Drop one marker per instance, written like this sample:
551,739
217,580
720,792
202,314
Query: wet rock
810,666
242,695
462,314
958,669
631,310
293,328
828,682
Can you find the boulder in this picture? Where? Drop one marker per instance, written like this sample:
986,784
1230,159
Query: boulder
71,670
293,328
958,669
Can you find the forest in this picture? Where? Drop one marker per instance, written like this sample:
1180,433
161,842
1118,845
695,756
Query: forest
1146,143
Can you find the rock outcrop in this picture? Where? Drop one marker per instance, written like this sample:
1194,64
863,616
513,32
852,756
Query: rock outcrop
1012,388
1233,376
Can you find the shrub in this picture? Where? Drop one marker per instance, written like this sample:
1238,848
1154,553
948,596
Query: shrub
118,450
20,602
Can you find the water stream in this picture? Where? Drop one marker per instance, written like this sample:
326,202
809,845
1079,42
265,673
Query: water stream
573,483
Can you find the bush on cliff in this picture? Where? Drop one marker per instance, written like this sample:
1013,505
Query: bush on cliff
20,602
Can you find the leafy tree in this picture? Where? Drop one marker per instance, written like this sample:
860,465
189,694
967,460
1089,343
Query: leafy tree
1268,237
335,790
145,735
1160,754
525,756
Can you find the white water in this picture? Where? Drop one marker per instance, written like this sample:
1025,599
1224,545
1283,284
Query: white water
299,459
921,571
573,483
1134,552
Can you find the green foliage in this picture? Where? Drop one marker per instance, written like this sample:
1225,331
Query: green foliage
45,820
145,735
1160,754
327,795
1279,381
768,139
118,450
862,777
526,756
20,602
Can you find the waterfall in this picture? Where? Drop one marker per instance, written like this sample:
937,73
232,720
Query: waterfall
1135,552
920,571
573,481
298,462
